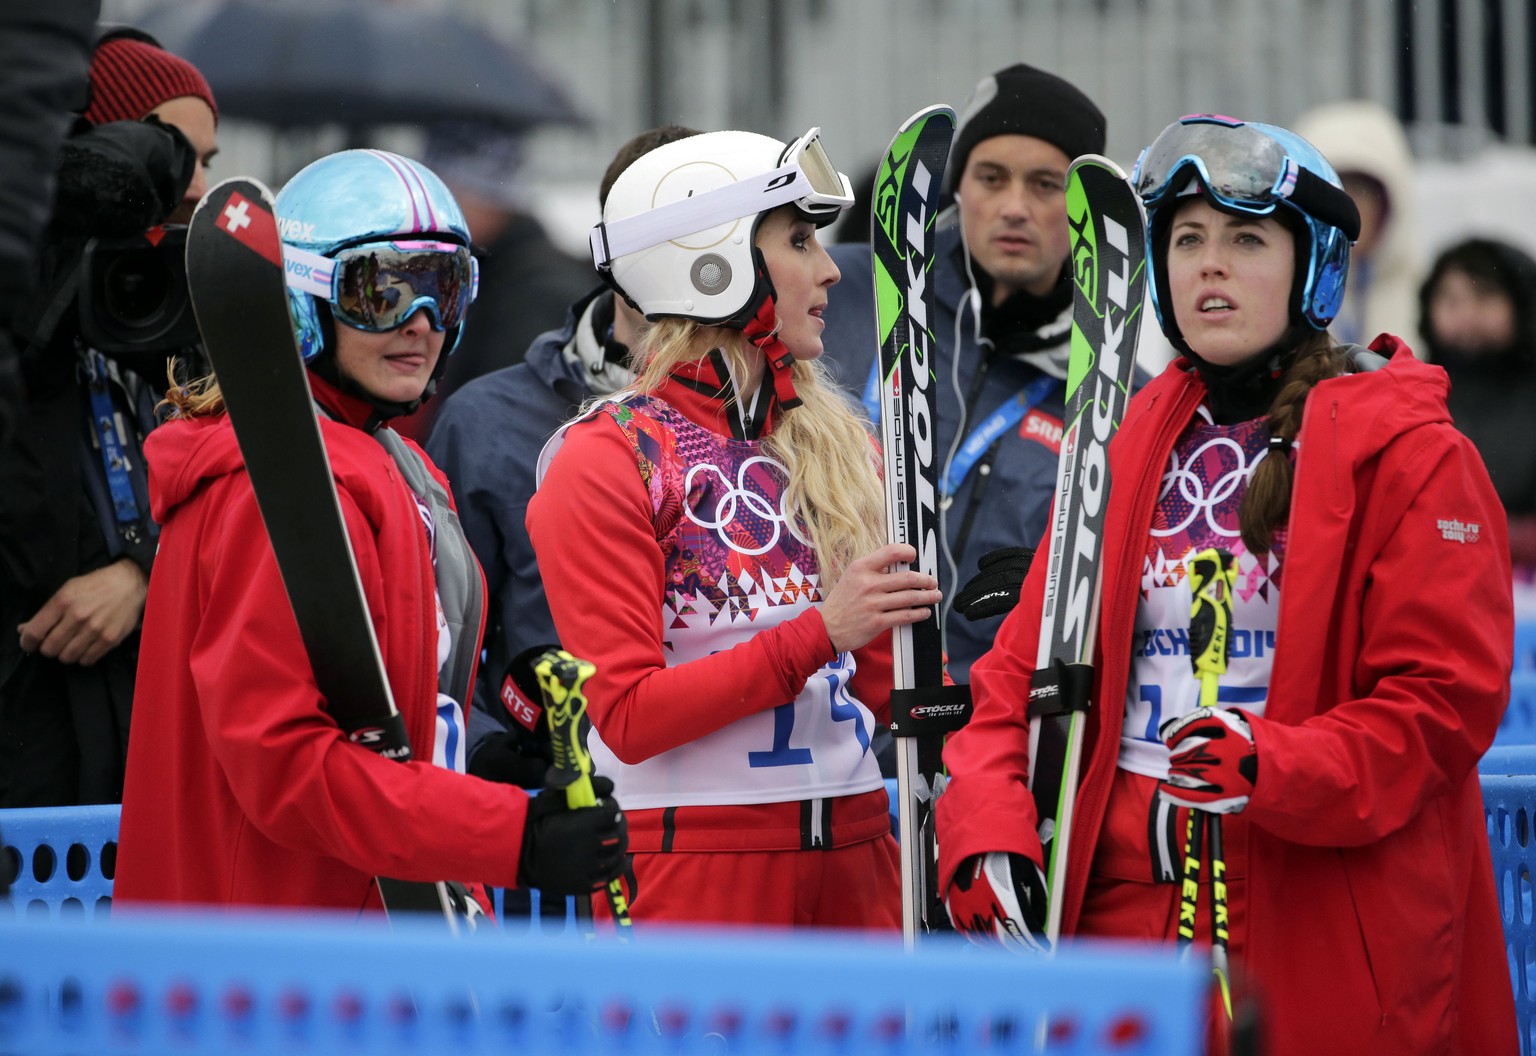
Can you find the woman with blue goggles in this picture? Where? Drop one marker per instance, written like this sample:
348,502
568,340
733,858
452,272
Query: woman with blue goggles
241,787
1343,742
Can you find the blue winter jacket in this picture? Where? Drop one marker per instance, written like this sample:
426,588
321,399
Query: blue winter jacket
487,439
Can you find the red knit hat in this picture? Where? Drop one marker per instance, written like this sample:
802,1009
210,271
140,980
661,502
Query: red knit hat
130,77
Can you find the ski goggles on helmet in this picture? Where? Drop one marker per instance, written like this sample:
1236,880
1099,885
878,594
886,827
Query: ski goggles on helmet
1240,166
378,286
804,177
1242,169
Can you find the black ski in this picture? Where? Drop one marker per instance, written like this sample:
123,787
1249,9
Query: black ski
236,276
1108,254
923,710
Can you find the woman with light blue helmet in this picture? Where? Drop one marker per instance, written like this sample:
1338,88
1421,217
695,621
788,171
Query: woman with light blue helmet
1344,736
242,790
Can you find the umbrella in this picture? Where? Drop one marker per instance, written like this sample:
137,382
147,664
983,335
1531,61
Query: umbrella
291,64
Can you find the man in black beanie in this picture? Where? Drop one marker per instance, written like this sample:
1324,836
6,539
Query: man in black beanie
1003,316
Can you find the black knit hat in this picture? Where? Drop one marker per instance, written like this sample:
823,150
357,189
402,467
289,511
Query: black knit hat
1024,101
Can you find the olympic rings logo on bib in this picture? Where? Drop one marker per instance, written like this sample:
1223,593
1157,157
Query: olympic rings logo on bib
1192,488
741,513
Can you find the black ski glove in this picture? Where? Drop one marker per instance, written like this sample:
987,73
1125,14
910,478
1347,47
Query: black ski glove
512,758
522,755
573,851
994,590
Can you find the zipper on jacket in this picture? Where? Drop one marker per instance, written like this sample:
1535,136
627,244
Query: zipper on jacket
1124,593
978,492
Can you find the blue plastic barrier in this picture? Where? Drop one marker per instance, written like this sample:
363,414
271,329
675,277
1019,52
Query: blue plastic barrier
1504,759
1509,803
1525,645
60,860
1519,723
219,984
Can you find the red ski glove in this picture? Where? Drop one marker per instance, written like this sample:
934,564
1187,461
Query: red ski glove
999,897
1212,763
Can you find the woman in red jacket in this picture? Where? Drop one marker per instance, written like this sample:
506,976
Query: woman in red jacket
712,540
1355,706
241,788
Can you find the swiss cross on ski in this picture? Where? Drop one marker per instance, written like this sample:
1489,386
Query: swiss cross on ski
237,214
252,225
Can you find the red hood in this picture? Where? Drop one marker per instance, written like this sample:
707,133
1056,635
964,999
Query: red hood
182,454
1384,404
1403,395
185,453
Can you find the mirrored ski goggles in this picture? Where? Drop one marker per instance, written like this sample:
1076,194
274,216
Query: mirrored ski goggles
1241,167
805,177
377,287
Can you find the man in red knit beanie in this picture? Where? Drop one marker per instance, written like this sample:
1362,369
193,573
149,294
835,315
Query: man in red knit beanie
77,539
132,78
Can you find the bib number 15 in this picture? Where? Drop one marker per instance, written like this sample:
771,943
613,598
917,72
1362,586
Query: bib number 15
843,709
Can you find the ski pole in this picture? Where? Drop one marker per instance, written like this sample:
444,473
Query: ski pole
1212,578
561,677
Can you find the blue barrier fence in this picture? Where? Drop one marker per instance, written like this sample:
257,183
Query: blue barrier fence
1509,802
1525,645
1519,723
195,984
60,860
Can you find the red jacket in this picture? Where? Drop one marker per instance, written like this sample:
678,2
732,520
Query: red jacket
241,790
591,522
1372,922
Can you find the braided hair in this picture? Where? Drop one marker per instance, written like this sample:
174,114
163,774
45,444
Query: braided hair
1266,505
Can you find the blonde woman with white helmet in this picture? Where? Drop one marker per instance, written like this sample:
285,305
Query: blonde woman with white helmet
713,540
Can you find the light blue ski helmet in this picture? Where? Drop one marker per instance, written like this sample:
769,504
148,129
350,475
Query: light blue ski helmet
1252,169
364,198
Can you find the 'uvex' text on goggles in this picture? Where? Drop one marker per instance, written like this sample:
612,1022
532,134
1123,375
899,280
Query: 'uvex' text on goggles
378,286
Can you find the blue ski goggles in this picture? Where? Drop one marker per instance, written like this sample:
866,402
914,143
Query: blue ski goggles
378,286
1243,169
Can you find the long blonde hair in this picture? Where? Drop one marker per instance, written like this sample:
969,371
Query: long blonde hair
834,489
1266,506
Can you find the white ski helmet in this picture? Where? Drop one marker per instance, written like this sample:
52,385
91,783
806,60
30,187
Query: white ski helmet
677,234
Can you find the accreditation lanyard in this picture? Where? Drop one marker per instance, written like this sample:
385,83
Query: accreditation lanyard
107,425
1000,421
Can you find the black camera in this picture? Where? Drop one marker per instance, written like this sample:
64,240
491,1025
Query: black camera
133,293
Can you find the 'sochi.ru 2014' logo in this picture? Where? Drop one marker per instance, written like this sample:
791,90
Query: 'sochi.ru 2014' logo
1459,531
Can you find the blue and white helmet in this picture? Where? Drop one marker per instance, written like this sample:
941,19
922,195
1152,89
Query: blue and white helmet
358,198
1252,169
